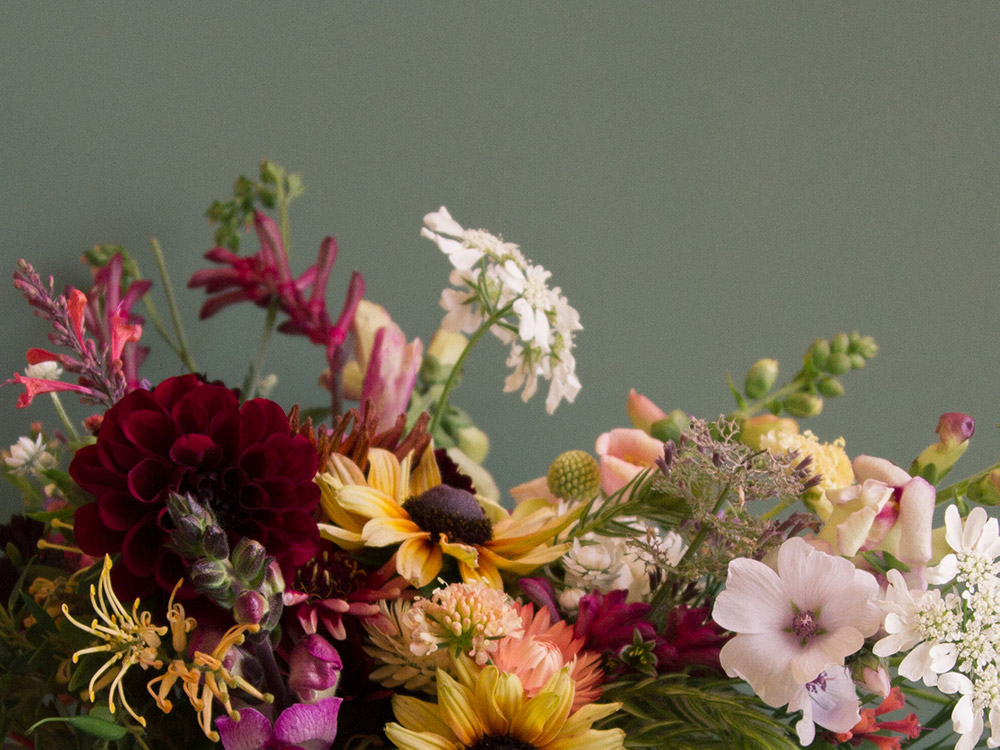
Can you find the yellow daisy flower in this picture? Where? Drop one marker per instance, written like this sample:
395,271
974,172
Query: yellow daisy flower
490,710
396,506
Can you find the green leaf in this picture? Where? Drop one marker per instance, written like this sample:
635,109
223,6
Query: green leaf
91,725
741,402
43,618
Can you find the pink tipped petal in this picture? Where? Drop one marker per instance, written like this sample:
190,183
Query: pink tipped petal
642,412
955,427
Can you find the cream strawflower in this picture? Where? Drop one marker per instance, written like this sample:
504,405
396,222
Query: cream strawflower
29,456
795,623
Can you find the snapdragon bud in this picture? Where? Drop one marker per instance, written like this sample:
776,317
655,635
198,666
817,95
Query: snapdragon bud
803,405
671,427
250,608
760,378
954,431
250,562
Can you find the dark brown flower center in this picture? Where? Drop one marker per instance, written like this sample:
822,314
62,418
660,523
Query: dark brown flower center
331,574
506,742
451,512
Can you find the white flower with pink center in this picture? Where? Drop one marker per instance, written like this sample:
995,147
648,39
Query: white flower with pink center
794,623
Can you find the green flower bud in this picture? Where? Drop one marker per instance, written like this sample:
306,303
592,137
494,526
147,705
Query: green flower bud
839,343
250,562
575,475
838,363
830,387
865,346
987,490
803,405
474,443
819,351
208,576
760,378
670,428
857,362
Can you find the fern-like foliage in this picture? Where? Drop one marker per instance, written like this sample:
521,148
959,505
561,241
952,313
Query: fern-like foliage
676,711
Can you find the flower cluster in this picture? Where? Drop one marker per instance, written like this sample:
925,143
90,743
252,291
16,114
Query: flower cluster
201,566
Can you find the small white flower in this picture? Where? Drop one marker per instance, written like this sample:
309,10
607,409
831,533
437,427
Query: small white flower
29,456
44,371
967,716
976,546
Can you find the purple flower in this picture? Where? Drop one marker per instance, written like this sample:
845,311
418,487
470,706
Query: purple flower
303,726
314,668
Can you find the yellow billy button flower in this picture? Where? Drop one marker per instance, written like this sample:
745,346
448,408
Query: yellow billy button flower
428,520
489,711
129,638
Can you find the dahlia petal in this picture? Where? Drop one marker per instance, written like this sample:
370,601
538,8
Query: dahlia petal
148,478
91,534
120,512
151,431
141,549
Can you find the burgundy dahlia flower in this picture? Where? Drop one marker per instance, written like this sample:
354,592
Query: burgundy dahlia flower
188,436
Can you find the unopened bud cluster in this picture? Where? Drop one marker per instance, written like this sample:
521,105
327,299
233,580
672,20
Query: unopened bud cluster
246,579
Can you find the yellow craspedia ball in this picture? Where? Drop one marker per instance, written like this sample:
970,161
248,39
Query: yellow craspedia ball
575,475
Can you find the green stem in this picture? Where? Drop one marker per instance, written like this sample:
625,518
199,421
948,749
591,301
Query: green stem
703,531
64,417
257,365
182,345
442,403
958,489
761,403
777,509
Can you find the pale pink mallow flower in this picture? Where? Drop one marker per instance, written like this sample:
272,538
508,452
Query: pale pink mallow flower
793,624
831,700
888,510
623,453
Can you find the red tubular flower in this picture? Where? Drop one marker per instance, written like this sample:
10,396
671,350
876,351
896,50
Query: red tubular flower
866,729
190,436
607,623
690,639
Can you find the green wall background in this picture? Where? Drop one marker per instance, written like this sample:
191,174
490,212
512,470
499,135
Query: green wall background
708,182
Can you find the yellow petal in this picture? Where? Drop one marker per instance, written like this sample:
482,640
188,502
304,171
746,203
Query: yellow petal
461,552
418,560
595,739
384,471
406,739
418,715
382,532
581,721
483,572
457,708
341,537
530,721
499,696
562,686
427,474
369,502
524,564
341,470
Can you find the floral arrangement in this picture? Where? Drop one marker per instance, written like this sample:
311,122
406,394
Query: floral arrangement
198,566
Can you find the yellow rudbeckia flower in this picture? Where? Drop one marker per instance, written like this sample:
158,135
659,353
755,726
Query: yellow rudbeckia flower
393,505
491,711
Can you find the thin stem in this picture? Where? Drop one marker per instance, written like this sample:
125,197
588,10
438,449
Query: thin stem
953,491
182,345
64,417
257,365
457,368
778,509
761,403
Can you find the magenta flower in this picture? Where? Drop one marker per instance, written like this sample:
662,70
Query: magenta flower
607,623
266,276
314,669
303,726
690,638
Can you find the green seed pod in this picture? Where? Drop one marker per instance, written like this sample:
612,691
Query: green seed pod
819,351
760,378
838,363
858,362
839,343
803,405
575,475
830,387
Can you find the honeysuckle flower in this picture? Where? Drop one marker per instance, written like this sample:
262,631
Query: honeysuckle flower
492,710
309,726
796,622
889,510
976,546
623,453
830,700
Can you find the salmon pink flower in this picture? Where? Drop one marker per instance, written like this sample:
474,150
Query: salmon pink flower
642,412
623,454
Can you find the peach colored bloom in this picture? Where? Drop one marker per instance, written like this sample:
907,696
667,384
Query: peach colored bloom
624,453
543,650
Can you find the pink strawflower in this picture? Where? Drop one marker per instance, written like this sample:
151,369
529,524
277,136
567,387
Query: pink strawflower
545,648
266,276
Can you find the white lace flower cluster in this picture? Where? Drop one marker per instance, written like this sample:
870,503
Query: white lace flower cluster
952,633
493,276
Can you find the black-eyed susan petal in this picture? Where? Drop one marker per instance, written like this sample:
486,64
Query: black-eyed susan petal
461,552
386,473
369,502
524,564
407,739
483,572
418,715
594,739
418,560
382,532
341,536
427,474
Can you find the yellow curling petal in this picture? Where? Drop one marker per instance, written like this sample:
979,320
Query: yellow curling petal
341,471
406,739
562,686
530,721
456,704
418,560
382,532
384,472
418,715
583,718
427,474
369,502
524,564
483,572
594,739
461,552
341,537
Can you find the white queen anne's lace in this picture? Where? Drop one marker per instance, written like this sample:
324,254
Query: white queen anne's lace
539,324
